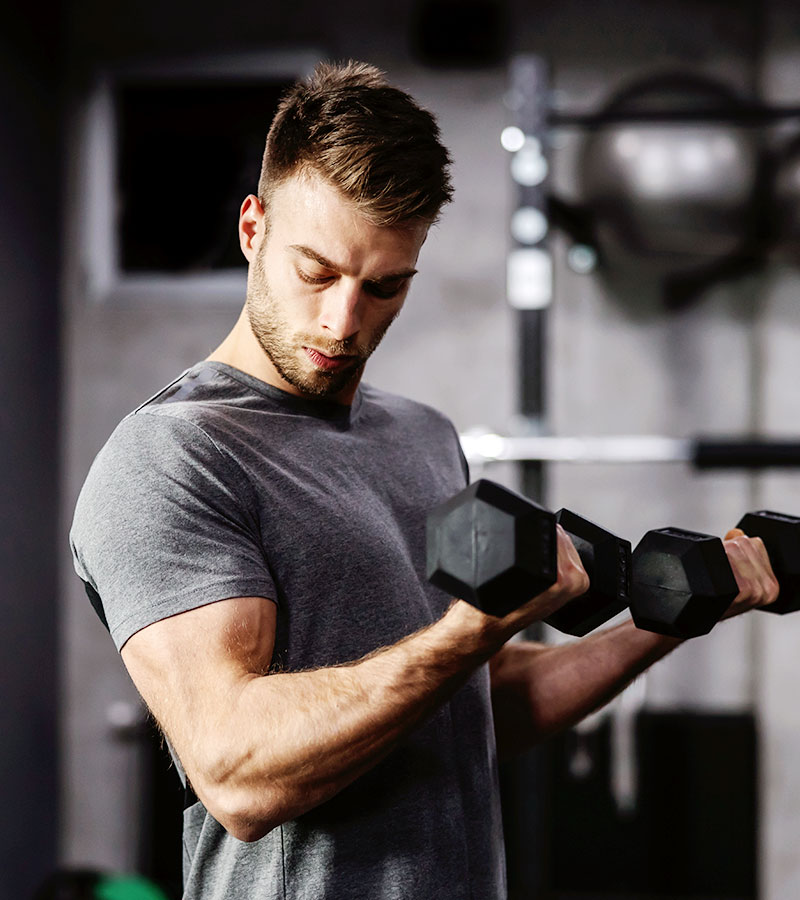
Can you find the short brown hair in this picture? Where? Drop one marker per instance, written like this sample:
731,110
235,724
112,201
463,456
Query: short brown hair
368,139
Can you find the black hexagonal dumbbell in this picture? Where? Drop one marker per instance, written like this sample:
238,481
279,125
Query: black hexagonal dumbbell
491,547
497,549
781,536
682,582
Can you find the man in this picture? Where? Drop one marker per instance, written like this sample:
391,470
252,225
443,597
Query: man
254,538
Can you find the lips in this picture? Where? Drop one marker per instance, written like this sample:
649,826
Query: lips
328,363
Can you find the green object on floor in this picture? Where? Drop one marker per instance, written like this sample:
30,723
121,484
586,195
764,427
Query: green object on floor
127,887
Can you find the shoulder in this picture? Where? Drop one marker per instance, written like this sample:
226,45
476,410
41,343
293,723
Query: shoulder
405,409
168,444
200,396
146,441
189,415
166,520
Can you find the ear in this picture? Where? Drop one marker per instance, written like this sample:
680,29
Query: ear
251,226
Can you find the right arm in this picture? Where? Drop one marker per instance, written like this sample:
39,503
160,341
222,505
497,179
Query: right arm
261,749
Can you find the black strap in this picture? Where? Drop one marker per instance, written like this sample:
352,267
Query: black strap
189,796
97,603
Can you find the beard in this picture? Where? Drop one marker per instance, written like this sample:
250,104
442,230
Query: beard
285,347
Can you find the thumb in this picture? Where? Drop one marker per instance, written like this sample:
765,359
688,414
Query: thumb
733,533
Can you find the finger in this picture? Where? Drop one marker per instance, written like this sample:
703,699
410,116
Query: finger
759,548
762,570
733,533
753,572
566,546
572,574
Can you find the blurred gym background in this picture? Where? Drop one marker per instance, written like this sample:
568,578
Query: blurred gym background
622,258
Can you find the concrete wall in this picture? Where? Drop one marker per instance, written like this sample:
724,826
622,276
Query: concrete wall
723,364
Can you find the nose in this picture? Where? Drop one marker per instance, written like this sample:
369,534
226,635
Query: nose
341,310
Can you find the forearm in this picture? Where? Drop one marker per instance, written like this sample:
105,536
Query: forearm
538,690
289,742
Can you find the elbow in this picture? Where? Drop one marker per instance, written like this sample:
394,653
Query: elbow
247,815
250,801
247,830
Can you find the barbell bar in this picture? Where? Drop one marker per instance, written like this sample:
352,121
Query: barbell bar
700,452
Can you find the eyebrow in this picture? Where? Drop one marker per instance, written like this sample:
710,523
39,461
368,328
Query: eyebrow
327,264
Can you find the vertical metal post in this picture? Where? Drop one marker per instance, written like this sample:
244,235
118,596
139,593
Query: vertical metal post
529,273
532,335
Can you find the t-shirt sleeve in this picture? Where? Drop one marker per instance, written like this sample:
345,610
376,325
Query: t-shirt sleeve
165,522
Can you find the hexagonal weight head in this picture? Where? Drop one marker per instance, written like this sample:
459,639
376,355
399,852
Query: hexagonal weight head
781,536
607,560
491,547
682,582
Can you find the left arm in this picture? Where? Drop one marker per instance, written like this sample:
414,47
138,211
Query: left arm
538,690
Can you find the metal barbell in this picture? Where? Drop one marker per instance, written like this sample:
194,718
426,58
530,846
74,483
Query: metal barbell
701,452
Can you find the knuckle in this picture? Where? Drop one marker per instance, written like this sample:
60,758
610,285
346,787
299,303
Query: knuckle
773,590
734,550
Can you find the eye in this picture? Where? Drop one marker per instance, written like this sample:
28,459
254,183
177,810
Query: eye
313,278
383,291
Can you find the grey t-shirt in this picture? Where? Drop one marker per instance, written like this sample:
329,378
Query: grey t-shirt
222,486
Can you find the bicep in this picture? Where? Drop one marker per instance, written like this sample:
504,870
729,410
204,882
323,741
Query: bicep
190,667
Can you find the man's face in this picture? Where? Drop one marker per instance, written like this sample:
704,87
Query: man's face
323,287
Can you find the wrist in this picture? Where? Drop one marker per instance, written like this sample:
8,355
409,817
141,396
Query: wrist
651,645
472,631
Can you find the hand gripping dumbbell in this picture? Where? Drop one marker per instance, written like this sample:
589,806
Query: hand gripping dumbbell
781,536
496,549
682,582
